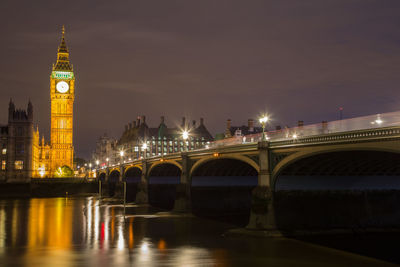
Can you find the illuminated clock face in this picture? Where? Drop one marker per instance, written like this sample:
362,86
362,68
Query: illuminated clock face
62,87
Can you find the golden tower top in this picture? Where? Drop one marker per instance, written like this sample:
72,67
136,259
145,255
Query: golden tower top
62,63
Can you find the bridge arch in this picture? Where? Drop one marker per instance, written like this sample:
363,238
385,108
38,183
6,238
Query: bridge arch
305,154
134,169
114,176
163,178
240,158
102,176
164,162
221,188
340,186
132,177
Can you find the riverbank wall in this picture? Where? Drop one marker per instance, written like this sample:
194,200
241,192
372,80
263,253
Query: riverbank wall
50,187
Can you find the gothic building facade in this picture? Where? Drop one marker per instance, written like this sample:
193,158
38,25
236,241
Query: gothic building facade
22,155
19,145
59,152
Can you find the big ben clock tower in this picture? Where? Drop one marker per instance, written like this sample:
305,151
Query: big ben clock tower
62,93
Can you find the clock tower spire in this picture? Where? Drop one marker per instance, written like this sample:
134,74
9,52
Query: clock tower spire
62,94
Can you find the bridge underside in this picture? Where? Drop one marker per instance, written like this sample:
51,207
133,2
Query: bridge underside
163,180
346,170
132,178
347,163
221,189
339,189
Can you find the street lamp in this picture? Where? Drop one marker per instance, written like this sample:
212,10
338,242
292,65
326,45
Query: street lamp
263,120
185,136
97,163
121,153
144,148
107,159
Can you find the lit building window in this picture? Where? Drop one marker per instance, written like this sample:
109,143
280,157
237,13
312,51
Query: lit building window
19,165
3,165
4,151
136,149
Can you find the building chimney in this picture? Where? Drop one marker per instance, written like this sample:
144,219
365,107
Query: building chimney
162,119
300,123
143,119
194,123
278,128
201,121
183,122
138,121
130,125
251,125
11,109
228,123
134,124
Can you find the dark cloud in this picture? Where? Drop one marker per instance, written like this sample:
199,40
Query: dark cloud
299,60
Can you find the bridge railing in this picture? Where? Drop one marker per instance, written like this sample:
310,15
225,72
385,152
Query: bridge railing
346,125
382,120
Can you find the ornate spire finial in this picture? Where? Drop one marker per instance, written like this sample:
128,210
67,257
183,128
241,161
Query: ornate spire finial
63,31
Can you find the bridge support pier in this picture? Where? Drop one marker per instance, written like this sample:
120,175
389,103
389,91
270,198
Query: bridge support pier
262,215
183,202
142,196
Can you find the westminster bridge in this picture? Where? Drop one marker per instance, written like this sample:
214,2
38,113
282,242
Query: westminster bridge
365,148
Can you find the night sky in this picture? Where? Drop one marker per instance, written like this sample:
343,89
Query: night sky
297,60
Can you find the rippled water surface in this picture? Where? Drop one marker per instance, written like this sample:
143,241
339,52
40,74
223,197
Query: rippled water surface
88,231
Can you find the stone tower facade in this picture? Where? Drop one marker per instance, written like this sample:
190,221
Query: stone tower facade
62,94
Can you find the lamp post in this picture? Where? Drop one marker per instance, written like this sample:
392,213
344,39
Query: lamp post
185,136
121,153
90,170
144,148
263,120
107,159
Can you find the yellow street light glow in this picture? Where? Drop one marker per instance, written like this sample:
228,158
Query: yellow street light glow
294,136
107,159
185,134
263,119
42,171
97,162
144,146
121,153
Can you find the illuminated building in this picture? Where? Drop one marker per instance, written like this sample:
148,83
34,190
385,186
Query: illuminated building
138,140
22,156
60,151
18,144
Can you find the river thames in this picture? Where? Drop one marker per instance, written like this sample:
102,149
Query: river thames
88,231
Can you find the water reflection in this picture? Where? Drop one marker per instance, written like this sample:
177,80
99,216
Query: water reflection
49,224
91,232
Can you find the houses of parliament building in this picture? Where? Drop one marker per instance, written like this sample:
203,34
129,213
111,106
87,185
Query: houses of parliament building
23,154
